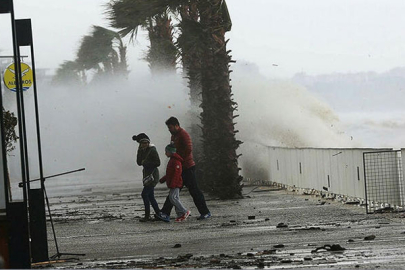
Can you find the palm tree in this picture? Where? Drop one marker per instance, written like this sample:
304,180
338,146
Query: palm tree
219,142
129,15
98,51
68,72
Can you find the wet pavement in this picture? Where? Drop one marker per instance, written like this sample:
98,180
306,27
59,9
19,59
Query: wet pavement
270,228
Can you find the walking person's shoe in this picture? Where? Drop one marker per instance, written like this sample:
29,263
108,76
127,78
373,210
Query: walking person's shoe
144,219
163,217
156,217
183,217
202,217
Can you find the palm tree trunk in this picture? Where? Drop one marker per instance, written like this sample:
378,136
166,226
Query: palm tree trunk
220,164
191,59
162,53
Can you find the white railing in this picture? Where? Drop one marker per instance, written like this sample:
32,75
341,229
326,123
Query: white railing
336,170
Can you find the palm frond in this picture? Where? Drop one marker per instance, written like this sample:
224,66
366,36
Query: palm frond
129,15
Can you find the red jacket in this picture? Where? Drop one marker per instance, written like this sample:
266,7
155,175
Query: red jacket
184,147
173,172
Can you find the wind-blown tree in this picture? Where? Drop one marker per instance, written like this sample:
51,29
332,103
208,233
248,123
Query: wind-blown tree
104,51
129,15
10,137
69,72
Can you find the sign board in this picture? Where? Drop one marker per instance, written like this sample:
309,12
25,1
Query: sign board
26,76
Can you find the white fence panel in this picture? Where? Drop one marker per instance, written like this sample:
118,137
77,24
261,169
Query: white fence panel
339,171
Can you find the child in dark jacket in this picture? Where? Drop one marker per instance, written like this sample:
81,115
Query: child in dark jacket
174,182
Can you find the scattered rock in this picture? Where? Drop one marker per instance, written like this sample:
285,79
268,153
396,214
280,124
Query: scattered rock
352,202
215,260
279,246
184,257
251,217
250,254
177,246
281,225
334,247
369,238
385,209
266,219
227,224
268,251
350,241
309,228
307,259
286,261
260,265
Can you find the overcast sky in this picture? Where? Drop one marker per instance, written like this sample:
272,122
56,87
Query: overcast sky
282,37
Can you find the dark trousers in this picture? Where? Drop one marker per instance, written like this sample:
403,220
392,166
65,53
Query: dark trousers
190,182
148,196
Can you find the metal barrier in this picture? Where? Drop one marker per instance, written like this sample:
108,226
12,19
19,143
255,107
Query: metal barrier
335,170
384,181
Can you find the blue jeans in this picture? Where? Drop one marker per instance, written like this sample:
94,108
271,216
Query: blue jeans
148,196
198,197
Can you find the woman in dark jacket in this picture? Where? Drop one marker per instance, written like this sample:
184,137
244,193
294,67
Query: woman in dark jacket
148,157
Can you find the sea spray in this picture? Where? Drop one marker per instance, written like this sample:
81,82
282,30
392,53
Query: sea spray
92,126
280,113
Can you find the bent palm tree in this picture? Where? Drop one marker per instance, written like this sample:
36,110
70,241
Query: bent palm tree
98,51
129,15
68,72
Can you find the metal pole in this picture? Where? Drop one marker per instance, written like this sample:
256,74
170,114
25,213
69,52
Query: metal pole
19,93
365,181
41,172
51,176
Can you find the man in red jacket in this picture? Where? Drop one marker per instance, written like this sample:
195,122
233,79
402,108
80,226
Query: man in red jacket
182,141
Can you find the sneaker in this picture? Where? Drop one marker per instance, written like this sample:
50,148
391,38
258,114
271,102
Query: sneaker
208,215
163,217
183,217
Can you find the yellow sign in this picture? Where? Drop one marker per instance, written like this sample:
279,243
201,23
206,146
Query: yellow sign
26,76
